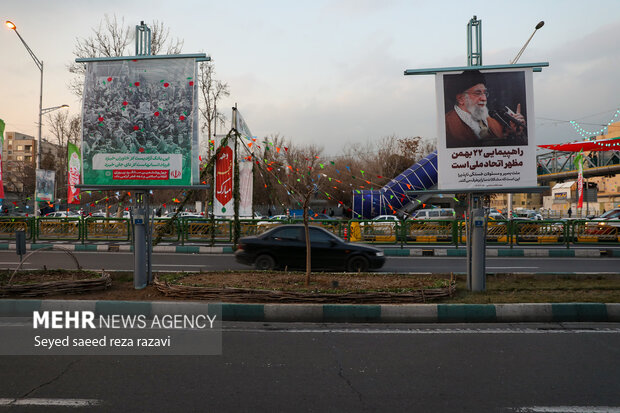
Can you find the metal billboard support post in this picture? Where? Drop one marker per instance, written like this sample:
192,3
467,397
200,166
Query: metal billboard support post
142,228
140,277
476,243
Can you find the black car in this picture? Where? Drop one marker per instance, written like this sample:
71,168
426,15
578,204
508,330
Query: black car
284,246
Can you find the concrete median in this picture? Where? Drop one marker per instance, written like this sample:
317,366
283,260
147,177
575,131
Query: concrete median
334,313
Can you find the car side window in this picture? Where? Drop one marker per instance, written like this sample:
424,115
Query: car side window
287,234
319,236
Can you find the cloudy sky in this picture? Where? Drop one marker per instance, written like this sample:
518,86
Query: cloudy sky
330,72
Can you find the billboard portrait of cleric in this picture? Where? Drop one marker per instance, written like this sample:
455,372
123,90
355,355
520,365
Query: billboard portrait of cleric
485,109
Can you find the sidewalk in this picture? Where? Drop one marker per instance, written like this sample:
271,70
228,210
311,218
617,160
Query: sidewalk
390,251
335,313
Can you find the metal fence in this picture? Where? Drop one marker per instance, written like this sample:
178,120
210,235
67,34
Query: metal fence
410,232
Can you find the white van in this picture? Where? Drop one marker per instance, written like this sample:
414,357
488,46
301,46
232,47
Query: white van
435,213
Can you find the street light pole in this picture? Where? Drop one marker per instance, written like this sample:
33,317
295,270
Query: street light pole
538,26
512,62
39,64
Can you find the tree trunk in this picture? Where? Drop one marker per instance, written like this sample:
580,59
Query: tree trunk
307,238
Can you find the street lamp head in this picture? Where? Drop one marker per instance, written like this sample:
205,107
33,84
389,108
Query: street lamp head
540,24
10,25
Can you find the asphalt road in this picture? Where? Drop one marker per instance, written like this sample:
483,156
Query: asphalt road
344,368
116,261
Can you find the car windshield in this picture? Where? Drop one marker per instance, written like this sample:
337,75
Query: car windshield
317,235
285,234
613,214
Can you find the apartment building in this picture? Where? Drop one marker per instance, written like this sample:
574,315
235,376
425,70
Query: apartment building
19,158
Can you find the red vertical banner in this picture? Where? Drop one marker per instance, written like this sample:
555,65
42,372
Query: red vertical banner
224,176
580,187
579,163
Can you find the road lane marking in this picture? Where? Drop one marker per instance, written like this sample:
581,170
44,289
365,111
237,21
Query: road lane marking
505,268
180,265
565,409
428,331
50,402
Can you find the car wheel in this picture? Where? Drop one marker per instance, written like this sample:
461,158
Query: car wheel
265,263
357,263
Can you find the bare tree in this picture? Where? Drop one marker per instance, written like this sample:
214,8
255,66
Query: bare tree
365,166
19,177
160,40
113,38
304,182
270,151
212,91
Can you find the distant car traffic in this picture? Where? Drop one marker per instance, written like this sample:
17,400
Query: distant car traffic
607,221
183,214
380,221
496,216
392,218
62,214
285,246
435,213
527,214
272,222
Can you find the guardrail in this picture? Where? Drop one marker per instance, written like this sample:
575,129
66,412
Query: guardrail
9,225
106,229
410,232
58,229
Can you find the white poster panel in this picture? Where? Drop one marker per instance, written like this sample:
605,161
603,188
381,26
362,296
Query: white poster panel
246,173
246,187
485,127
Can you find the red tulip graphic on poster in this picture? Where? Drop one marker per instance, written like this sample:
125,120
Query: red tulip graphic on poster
224,176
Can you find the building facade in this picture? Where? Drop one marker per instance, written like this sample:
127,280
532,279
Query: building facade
19,160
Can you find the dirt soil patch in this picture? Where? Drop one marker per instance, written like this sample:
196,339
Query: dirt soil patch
501,288
319,282
122,287
279,287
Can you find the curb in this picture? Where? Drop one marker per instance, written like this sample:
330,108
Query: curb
389,252
335,313
496,252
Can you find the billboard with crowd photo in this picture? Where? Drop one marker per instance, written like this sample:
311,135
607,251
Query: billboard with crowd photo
140,123
46,183
485,129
